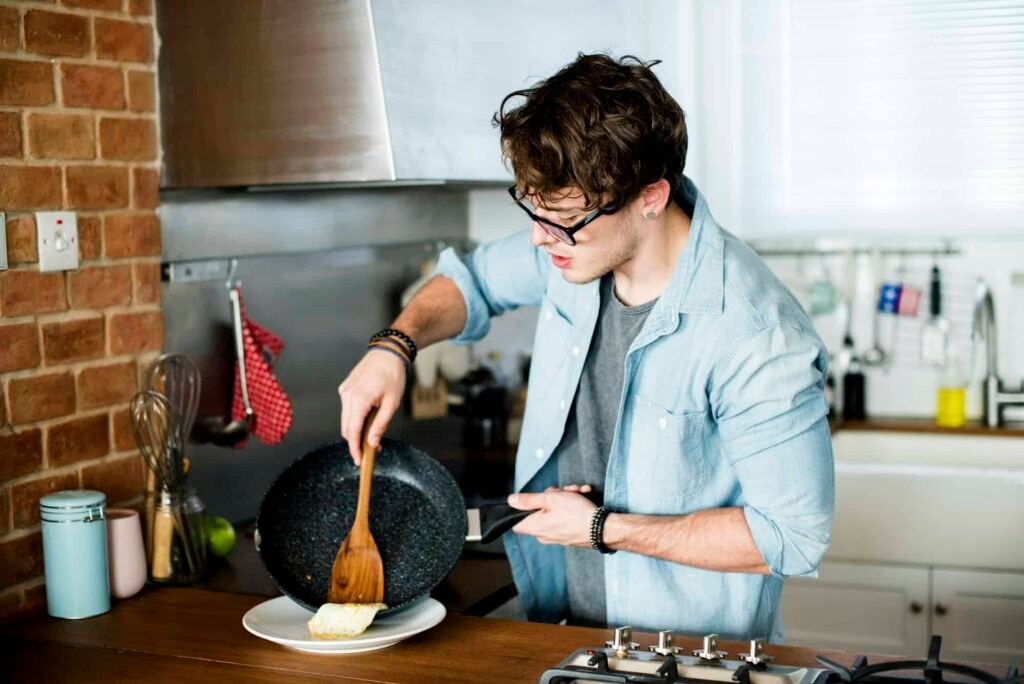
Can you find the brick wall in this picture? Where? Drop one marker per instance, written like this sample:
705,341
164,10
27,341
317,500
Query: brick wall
77,132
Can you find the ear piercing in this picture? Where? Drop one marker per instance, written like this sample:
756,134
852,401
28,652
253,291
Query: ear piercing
649,215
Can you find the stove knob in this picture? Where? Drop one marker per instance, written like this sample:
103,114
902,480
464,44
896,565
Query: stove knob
622,643
710,652
665,645
757,655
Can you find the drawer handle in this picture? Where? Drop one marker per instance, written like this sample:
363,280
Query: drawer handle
941,609
916,608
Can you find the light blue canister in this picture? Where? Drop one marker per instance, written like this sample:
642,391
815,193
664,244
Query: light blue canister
75,553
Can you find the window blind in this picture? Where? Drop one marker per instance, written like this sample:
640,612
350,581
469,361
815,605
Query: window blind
888,116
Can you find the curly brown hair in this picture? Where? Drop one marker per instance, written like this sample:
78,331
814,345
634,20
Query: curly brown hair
604,126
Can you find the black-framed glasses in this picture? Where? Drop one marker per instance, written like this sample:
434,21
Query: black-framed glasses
555,230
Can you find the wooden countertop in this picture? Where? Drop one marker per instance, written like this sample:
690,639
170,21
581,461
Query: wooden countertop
925,425
194,635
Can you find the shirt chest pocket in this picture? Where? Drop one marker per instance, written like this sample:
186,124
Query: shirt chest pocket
666,460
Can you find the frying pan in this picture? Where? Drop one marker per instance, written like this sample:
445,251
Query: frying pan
417,517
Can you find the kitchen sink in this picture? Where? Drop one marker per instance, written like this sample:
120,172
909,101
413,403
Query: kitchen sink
930,499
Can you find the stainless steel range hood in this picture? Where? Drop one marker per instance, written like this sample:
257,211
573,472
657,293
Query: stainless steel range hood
272,92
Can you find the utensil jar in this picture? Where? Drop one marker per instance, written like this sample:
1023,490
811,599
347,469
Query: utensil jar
176,537
75,553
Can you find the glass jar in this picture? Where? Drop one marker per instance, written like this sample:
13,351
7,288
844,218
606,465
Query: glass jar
176,537
75,553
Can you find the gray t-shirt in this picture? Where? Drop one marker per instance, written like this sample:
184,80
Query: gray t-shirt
583,454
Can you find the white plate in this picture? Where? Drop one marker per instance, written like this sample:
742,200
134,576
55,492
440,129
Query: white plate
283,621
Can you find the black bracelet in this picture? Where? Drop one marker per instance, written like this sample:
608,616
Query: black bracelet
391,332
389,350
597,530
393,344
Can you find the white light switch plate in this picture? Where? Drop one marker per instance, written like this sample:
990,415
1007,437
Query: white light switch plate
3,240
58,240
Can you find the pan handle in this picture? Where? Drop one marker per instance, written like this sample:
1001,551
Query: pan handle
490,521
495,518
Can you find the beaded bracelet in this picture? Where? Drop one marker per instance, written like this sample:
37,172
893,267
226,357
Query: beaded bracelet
398,334
597,530
389,350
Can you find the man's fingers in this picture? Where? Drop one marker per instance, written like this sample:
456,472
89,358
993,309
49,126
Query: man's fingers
344,415
354,429
527,502
578,489
380,422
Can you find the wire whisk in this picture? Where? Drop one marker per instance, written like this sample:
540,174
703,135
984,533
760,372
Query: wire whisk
179,379
154,427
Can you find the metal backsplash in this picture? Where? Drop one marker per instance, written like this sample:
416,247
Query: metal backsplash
313,280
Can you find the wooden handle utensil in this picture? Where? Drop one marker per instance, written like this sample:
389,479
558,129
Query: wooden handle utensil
358,572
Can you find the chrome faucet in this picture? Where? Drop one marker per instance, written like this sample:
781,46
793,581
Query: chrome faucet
995,395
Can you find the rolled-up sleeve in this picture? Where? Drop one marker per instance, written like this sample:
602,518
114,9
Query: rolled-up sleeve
768,401
495,278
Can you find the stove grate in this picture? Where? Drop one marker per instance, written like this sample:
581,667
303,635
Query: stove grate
931,671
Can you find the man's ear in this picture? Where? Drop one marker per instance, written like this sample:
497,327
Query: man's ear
654,198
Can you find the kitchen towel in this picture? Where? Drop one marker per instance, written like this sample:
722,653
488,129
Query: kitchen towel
270,405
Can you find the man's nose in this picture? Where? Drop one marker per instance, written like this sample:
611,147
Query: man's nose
538,236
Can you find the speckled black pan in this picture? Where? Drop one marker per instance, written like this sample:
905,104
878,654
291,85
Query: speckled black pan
417,517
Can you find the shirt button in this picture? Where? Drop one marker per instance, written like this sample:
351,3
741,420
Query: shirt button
561,404
663,422
540,453
548,315
575,351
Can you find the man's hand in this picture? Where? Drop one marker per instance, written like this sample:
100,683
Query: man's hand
562,517
378,380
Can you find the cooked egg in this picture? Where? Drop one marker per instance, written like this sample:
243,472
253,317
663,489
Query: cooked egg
343,620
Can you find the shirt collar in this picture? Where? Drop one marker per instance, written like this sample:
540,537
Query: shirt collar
697,282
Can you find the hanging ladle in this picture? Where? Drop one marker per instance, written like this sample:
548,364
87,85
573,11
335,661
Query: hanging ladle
875,355
214,429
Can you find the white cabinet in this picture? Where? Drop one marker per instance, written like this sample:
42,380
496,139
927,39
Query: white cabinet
857,607
980,615
868,607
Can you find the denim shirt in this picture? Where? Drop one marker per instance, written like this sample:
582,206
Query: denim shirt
722,406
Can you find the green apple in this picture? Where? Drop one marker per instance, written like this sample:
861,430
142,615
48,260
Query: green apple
220,535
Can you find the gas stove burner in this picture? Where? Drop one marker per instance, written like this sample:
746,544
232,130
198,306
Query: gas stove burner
621,661
931,671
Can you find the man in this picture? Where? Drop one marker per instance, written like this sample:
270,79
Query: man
671,371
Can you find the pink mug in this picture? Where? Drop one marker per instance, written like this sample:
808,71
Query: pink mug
126,552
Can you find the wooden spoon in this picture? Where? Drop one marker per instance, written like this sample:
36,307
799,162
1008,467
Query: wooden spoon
358,573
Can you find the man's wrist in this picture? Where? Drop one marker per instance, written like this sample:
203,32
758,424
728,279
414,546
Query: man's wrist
391,351
613,530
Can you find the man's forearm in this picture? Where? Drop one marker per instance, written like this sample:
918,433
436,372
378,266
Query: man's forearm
437,312
714,539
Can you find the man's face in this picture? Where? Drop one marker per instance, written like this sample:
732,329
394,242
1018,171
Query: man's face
602,245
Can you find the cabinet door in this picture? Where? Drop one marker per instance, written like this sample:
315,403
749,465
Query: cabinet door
979,614
859,607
